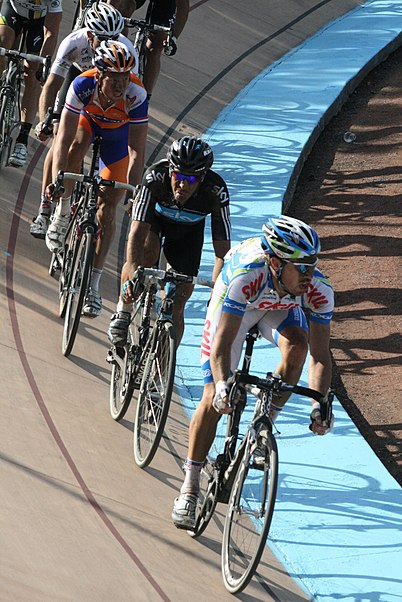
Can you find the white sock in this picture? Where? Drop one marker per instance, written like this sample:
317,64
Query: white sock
127,307
95,278
192,477
63,208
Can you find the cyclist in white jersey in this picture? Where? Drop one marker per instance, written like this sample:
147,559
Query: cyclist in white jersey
74,56
266,281
41,19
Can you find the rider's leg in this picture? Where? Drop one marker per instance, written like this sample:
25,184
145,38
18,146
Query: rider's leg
153,60
7,38
183,294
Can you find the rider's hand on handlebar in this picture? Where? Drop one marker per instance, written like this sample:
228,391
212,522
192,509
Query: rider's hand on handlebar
317,426
53,192
132,289
42,133
220,401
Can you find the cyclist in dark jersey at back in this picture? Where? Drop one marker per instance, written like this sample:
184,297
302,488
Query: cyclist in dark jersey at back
176,196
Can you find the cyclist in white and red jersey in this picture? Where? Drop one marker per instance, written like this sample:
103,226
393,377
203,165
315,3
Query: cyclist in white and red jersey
266,282
41,19
74,55
108,101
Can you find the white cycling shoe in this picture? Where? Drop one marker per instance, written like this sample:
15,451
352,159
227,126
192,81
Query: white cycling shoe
56,232
183,513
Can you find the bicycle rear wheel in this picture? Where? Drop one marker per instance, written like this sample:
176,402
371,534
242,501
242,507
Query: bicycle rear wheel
80,275
155,393
249,515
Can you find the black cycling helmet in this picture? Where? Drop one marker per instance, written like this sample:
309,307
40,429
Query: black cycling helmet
190,155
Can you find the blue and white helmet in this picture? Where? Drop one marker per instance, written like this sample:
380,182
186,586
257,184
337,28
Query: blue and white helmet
291,239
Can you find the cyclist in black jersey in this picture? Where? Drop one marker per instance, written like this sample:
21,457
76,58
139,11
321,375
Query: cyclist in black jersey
161,13
176,196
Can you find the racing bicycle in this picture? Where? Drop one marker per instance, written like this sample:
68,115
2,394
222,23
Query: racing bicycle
147,362
144,27
76,258
10,94
245,475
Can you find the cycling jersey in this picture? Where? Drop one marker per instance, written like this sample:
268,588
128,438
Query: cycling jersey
76,50
210,198
182,228
245,288
36,9
248,282
83,95
111,124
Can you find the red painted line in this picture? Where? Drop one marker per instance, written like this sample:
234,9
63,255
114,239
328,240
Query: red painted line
35,389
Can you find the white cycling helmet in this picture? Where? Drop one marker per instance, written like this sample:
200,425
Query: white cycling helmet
104,21
291,239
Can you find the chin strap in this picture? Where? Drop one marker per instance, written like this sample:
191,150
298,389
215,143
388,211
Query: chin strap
278,273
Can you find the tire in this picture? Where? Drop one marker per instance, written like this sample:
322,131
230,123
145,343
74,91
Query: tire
207,499
141,58
122,380
155,393
249,515
77,289
6,108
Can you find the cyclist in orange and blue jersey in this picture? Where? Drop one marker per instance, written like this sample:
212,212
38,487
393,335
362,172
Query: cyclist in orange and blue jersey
108,101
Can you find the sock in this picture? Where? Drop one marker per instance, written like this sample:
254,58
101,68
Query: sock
63,208
24,133
121,306
192,477
45,205
95,278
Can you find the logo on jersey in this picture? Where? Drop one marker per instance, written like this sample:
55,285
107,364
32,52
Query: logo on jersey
315,298
251,290
221,193
155,177
206,339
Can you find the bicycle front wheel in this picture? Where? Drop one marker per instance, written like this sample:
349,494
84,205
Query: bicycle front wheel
6,110
155,393
249,515
80,275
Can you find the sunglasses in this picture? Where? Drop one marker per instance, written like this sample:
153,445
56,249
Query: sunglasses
106,38
305,268
181,177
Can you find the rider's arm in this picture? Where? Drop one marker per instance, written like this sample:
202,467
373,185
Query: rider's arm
320,367
66,133
135,246
137,138
48,95
51,31
182,10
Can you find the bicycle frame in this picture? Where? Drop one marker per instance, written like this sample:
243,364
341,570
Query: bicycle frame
10,94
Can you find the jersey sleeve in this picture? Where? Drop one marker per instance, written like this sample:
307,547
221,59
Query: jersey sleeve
138,102
79,93
220,215
319,299
65,57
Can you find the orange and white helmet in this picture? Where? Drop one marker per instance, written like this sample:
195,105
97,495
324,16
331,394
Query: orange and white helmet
114,57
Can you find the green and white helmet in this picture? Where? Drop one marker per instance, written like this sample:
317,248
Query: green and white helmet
291,239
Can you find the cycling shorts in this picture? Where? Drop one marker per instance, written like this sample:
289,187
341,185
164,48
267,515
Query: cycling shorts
159,11
33,27
270,324
182,245
113,154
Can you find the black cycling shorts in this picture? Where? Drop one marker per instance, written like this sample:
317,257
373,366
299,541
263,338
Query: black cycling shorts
182,245
159,11
34,27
